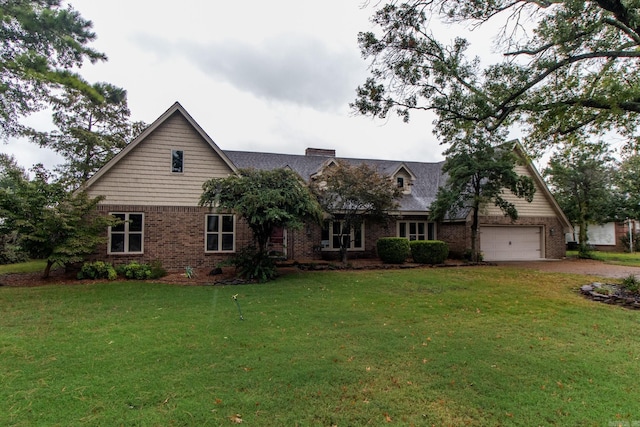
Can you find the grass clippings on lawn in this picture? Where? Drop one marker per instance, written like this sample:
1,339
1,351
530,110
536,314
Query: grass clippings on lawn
478,346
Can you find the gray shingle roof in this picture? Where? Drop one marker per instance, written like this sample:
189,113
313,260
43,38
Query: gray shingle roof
428,175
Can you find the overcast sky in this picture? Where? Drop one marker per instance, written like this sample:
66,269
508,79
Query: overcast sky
270,76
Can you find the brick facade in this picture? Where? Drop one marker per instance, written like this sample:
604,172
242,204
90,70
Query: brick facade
175,236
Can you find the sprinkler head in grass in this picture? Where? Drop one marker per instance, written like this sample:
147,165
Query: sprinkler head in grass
235,298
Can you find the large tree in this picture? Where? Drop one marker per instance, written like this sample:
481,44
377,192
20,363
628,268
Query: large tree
480,171
51,223
41,43
627,182
266,199
581,179
90,131
352,193
568,67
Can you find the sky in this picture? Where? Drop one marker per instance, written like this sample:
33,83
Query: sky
269,76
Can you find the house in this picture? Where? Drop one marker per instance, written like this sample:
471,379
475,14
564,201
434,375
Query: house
155,184
607,237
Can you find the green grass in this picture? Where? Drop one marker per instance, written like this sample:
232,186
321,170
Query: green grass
476,346
620,258
36,266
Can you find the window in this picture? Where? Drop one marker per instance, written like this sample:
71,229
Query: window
400,181
333,231
177,161
416,230
127,238
220,233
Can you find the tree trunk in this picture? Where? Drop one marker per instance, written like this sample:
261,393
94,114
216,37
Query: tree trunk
475,251
47,269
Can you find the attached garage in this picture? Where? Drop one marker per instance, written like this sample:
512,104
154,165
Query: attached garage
511,243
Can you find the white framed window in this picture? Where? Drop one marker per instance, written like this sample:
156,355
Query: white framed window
400,182
220,233
335,231
417,230
177,161
127,237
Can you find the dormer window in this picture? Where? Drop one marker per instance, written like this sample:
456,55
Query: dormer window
400,181
177,161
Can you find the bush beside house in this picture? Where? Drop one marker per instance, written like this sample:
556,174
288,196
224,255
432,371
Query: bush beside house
393,250
429,251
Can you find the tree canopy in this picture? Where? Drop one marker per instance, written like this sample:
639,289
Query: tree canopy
581,180
479,169
48,222
41,43
352,193
266,199
568,67
90,131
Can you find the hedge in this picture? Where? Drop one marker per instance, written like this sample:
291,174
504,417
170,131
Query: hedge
393,250
429,251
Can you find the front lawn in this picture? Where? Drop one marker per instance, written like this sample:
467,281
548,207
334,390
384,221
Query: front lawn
620,258
476,346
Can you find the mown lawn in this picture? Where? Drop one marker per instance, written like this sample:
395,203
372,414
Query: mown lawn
620,258
475,346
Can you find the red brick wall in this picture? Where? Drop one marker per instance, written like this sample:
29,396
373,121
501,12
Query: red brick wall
174,236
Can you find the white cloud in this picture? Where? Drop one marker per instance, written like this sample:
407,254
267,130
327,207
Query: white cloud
273,76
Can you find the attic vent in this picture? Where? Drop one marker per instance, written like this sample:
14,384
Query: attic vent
319,152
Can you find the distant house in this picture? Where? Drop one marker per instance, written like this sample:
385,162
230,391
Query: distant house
155,183
607,237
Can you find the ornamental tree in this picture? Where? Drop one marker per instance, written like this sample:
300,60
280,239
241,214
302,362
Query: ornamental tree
51,223
266,199
568,67
353,193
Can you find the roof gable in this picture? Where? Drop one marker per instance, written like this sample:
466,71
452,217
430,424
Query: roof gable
175,108
143,173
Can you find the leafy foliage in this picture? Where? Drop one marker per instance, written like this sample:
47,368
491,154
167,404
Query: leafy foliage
581,180
266,199
90,131
429,251
97,270
393,250
256,265
479,168
568,67
352,193
41,43
631,284
52,224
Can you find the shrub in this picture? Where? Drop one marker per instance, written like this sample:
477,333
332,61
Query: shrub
631,284
138,271
254,265
429,251
97,270
393,250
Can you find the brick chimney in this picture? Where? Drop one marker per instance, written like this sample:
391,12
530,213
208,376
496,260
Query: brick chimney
320,152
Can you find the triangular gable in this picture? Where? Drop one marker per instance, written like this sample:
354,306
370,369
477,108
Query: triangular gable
402,166
520,151
176,107
327,163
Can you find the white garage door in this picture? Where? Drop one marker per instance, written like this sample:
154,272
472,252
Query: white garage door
511,243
